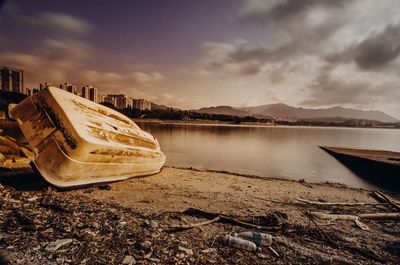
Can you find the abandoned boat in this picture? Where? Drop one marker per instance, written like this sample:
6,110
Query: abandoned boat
381,168
78,142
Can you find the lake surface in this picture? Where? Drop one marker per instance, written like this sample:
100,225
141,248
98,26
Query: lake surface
284,152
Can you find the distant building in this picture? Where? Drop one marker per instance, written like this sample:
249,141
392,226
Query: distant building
102,98
94,94
69,87
119,101
31,91
45,85
111,100
11,79
130,102
141,104
91,93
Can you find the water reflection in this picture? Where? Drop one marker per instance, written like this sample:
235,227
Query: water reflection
289,152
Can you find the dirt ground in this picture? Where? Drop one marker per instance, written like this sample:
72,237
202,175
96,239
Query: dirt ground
129,222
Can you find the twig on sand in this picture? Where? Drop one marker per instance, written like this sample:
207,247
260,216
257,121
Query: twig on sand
310,217
193,225
340,203
382,197
369,216
304,183
274,251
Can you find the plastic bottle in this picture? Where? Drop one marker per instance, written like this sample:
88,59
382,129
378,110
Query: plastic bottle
260,239
240,243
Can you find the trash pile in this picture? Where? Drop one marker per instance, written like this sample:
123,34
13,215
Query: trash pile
50,227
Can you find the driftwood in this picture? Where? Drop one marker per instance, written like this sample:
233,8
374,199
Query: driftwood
190,226
340,203
310,217
333,217
255,222
369,216
381,196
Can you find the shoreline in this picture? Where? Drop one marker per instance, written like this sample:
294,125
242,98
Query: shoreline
137,215
247,124
254,176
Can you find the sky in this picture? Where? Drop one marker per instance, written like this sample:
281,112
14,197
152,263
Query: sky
196,53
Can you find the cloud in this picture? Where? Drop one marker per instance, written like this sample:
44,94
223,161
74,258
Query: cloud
62,56
379,50
332,87
129,82
300,23
283,11
60,62
48,23
54,61
63,22
300,27
373,53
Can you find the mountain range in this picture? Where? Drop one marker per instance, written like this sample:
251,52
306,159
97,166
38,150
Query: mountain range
283,111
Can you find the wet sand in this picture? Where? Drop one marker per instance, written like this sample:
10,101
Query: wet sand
175,189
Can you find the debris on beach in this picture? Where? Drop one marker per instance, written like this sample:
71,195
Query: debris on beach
14,155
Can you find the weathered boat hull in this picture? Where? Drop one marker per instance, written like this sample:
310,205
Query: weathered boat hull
78,142
381,168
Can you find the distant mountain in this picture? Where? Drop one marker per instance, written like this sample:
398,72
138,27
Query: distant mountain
227,110
283,111
155,106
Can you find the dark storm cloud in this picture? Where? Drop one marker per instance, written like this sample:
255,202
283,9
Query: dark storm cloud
286,10
373,53
292,17
380,50
302,37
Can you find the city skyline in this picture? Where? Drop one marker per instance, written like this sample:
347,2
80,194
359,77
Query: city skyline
12,80
207,53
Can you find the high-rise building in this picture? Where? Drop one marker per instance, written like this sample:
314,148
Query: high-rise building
141,104
130,102
111,100
11,79
91,93
69,87
94,94
119,101
85,91
102,98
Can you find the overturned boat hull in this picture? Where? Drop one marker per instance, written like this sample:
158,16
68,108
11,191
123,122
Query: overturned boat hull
381,168
78,142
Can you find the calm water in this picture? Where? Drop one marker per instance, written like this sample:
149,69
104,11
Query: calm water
286,152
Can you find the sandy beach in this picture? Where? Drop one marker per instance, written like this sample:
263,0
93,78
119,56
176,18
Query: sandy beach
149,206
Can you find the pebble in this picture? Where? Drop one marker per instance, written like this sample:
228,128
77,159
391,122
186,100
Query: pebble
53,246
188,251
208,250
146,245
128,260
